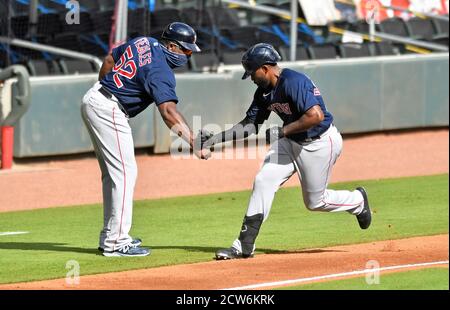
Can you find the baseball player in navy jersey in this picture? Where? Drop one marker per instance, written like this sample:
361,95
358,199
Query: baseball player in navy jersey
308,143
132,77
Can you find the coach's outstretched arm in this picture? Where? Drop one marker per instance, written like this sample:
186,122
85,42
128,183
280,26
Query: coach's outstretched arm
176,122
241,130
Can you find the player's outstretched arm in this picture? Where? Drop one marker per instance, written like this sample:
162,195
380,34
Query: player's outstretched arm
176,122
107,66
241,130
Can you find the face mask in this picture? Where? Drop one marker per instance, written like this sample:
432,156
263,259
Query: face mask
174,60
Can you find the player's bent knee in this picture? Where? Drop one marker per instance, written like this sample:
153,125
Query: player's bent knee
313,204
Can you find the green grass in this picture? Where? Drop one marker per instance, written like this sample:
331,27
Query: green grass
424,279
190,229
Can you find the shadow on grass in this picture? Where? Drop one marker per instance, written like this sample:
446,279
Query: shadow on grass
45,246
62,247
214,249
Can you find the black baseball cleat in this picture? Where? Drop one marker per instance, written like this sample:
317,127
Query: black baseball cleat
230,253
365,217
135,242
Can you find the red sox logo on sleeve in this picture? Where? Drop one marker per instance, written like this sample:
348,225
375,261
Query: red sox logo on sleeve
280,108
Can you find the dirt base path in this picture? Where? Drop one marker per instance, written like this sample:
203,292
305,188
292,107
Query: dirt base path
77,181
264,268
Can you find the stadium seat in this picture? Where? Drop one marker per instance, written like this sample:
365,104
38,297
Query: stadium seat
271,38
341,24
422,28
52,5
223,17
349,50
19,25
232,57
304,34
94,5
30,53
102,21
4,18
4,59
243,36
441,39
139,22
362,26
441,26
322,51
259,18
205,40
196,18
76,66
205,61
395,26
18,8
38,67
156,34
105,4
49,24
161,18
384,48
301,53
69,41
95,44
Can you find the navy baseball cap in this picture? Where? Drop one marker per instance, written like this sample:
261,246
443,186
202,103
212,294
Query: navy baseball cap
258,55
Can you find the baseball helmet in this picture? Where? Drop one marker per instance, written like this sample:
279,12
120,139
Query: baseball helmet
183,34
258,55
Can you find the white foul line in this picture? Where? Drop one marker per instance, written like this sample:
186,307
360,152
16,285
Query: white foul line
336,275
8,233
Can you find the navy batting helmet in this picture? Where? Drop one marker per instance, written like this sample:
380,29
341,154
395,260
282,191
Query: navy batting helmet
258,55
183,34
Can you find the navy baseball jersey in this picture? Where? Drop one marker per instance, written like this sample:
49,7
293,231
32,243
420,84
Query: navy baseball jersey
293,95
140,75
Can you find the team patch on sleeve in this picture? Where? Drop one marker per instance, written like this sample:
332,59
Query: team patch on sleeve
316,91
